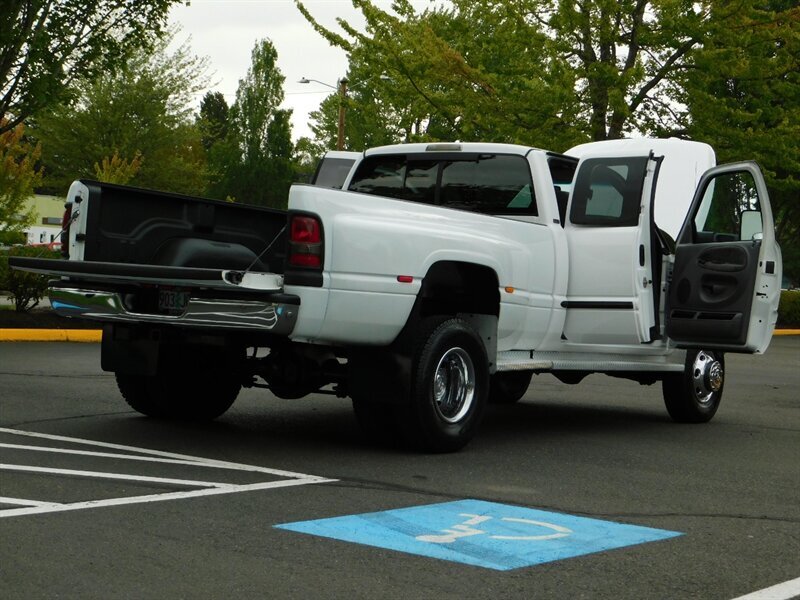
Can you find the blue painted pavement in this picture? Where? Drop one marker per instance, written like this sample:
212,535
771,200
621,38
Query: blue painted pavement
484,534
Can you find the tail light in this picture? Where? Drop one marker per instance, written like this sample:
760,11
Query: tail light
305,241
65,222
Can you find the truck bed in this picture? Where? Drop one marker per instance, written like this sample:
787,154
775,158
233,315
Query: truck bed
144,227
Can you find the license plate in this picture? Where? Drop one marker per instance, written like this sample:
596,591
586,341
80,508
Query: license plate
172,302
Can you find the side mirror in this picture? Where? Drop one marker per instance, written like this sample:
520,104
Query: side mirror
750,226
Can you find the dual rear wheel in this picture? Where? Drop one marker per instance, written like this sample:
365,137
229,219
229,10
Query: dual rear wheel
445,396
193,383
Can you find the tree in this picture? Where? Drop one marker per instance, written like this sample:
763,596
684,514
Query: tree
117,170
539,70
50,45
213,119
256,157
145,110
553,74
743,98
306,157
213,124
19,176
375,113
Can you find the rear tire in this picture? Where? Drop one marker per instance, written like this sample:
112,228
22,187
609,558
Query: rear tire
448,388
694,395
509,387
378,421
197,384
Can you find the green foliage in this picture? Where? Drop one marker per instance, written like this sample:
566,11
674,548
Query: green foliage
10,238
49,46
306,157
118,170
789,309
743,96
552,74
213,119
19,176
539,72
24,289
254,162
142,113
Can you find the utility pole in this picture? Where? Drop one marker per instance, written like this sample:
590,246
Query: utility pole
342,109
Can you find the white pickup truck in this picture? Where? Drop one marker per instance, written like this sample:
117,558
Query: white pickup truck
440,278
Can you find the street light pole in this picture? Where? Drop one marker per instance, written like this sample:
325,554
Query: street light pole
342,108
342,87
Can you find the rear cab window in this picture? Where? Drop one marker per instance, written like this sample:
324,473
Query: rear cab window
497,184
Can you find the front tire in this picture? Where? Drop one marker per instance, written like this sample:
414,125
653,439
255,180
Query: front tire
448,388
694,395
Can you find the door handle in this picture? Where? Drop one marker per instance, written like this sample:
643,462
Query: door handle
720,266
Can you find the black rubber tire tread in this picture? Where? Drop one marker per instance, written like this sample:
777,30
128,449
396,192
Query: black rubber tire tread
377,421
509,387
679,397
420,425
200,387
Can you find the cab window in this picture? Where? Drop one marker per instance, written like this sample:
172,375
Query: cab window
608,192
729,210
491,184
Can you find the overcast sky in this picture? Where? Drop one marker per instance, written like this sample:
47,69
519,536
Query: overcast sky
225,31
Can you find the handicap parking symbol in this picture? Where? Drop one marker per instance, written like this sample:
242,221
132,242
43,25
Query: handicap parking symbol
483,534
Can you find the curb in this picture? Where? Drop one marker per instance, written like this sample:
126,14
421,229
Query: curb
51,335
96,335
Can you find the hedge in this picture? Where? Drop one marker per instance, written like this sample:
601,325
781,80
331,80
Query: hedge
789,309
24,289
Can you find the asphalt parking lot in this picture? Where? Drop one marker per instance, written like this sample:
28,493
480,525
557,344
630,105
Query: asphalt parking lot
584,491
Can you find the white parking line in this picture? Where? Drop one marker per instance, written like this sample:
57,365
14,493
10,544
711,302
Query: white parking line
92,453
208,488
50,508
23,502
783,591
112,476
183,457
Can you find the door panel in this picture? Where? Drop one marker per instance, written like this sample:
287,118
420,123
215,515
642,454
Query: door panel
724,287
610,295
711,292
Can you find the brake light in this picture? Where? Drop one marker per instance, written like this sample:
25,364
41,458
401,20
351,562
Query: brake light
305,230
305,242
65,222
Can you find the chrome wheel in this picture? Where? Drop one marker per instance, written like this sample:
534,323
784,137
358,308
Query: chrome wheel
694,395
454,385
707,377
448,387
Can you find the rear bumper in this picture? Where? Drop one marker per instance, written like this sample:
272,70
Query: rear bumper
275,313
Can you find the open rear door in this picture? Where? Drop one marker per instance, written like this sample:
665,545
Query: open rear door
725,283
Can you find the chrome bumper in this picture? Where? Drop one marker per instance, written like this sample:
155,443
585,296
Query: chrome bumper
259,315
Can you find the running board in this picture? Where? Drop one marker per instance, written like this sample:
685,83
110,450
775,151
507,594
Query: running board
522,360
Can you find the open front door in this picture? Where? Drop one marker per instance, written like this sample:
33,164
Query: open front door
725,283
